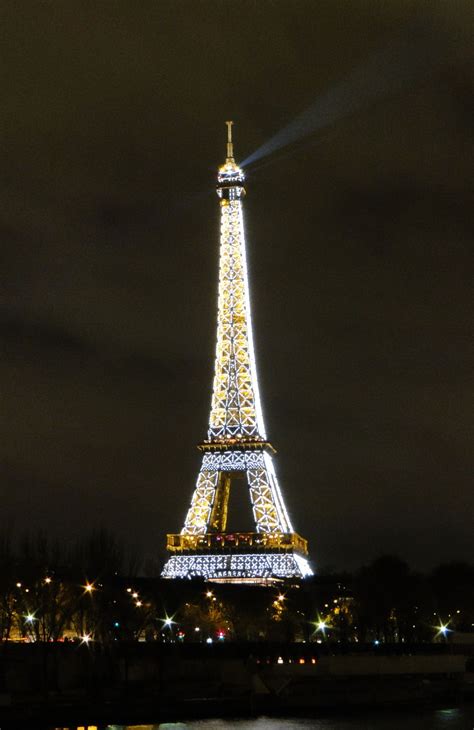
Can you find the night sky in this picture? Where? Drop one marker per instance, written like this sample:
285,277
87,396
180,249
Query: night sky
360,254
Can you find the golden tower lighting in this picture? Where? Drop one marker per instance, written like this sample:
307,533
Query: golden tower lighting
236,444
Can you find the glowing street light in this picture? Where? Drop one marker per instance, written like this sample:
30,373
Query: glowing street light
30,617
86,639
321,626
168,622
89,587
443,630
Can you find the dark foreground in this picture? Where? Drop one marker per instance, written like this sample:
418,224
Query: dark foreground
65,685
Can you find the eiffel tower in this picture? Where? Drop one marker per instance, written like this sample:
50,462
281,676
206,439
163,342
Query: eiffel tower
237,444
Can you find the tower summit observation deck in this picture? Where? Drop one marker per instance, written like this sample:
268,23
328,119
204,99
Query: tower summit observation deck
236,443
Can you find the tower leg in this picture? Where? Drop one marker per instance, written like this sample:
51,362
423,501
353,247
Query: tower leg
199,513
269,511
208,510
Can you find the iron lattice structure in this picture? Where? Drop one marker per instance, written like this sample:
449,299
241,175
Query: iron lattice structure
237,442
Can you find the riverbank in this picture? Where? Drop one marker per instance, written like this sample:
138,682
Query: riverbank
59,684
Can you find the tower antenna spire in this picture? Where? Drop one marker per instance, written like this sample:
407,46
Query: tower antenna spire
230,146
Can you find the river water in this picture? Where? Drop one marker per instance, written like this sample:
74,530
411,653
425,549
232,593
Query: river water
459,718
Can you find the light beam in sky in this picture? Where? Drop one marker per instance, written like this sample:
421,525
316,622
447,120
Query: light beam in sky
403,63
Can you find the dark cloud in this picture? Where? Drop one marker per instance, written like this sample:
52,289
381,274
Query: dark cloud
360,251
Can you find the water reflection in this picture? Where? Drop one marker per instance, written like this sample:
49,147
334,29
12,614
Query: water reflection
459,718
160,726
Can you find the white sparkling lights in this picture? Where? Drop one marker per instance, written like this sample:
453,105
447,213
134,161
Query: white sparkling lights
247,565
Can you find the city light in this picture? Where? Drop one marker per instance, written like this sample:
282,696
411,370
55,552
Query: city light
30,618
86,639
89,587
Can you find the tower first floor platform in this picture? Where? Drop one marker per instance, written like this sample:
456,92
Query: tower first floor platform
237,557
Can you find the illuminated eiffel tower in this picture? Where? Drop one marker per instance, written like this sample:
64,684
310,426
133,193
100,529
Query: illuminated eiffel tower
237,444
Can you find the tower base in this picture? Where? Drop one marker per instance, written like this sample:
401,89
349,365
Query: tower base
237,567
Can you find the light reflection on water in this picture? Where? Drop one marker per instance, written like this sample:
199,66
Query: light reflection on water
448,719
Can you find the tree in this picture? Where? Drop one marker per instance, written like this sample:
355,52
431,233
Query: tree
384,596
453,590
